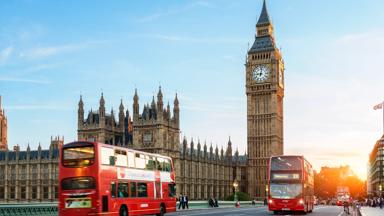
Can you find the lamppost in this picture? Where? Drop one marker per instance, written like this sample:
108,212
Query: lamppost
380,189
235,185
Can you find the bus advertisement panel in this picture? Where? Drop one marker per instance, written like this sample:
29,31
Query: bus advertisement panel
101,179
290,184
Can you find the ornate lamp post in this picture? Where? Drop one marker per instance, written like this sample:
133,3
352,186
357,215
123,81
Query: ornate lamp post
235,185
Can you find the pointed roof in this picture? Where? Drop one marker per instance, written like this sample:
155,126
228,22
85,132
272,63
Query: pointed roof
264,16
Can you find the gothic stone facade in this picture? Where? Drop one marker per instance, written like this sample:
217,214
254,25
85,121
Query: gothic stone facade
3,129
199,174
31,175
265,92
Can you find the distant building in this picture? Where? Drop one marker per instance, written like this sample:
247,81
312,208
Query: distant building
200,172
376,169
31,175
3,129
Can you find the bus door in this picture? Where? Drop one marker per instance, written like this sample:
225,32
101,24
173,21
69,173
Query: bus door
158,189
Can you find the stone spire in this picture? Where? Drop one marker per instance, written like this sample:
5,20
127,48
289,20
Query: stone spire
80,113
121,114
264,16
135,106
160,100
176,110
102,106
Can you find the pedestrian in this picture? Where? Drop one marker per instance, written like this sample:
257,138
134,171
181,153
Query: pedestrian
265,201
253,202
211,202
346,207
216,203
186,201
181,200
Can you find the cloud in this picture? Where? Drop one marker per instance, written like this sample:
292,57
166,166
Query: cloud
216,40
5,54
47,51
33,81
37,107
173,11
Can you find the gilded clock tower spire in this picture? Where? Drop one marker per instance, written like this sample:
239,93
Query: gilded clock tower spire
265,93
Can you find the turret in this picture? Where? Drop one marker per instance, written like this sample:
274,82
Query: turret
211,152
176,111
229,150
184,146
160,103
102,106
80,113
135,106
198,149
168,112
121,115
205,150
192,148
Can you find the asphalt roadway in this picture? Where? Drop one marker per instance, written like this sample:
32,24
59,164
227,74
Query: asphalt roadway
318,211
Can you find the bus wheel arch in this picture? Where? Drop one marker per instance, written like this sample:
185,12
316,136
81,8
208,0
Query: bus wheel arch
123,210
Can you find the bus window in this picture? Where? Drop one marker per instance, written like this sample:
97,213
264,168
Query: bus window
142,190
79,156
106,154
133,189
160,163
131,159
121,158
140,161
167,165
78,183
113,189
122,189
172,190
151,164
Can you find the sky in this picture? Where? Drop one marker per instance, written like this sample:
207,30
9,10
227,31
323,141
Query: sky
53,51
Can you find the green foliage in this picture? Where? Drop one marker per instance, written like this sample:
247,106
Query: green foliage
241,196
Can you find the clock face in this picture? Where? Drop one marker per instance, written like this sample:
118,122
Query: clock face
260,73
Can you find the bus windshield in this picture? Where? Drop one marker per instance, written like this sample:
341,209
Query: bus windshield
285,191
286,163
79,156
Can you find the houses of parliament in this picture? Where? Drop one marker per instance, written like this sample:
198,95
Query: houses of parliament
202,170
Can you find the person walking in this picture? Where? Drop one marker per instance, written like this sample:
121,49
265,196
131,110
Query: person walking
181,201
346,207
186,201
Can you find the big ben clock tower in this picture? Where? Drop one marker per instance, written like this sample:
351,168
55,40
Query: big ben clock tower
265,92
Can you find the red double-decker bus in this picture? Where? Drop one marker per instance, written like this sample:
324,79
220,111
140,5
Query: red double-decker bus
101,179
291,184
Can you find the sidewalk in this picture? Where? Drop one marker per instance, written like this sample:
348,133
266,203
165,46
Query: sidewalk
369,211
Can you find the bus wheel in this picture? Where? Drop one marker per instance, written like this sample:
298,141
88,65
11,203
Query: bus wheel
275,212
123,211
162,211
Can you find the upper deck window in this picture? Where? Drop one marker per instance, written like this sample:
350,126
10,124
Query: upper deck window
78,156
286,163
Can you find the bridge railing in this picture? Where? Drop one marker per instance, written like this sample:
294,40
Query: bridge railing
51,209
29,209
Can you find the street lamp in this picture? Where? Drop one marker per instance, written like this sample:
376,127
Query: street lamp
380,189
235,185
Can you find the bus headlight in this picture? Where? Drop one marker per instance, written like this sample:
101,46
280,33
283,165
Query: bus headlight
270,201
301,201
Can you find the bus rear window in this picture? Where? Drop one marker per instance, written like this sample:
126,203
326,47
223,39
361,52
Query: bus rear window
78,156
78,183
286,163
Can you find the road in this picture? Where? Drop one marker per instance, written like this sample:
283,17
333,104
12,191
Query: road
319,211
